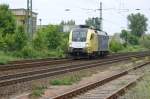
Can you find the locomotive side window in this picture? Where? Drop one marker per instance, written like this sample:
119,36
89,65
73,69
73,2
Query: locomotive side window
92,36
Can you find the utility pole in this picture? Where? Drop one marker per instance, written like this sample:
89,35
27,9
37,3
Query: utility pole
29,19
40,23
101,17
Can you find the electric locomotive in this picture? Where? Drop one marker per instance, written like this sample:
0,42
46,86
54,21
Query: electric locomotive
85,41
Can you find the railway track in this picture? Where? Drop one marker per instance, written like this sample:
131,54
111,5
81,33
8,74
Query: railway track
34,60
104,89
43,73
23,64
32,63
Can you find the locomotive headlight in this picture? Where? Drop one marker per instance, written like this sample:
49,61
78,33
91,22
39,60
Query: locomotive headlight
87,44
70,44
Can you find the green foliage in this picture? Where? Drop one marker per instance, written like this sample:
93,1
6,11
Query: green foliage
9,40
64,43
129,38
20,38
12,42
69,80
53,36
70,22
51,41
7,21
5,58
124,35
27,52
133,48
39,42
115,46
93,22
2,43
137,24
145,41
38,91
48,42
49,36
133,40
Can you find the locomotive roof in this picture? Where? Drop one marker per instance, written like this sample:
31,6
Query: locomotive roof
99,32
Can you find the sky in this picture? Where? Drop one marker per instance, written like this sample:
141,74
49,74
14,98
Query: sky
115,12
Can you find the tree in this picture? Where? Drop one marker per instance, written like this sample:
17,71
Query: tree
124,35
7,21
53,36
93,22
49,37
129,38
137,24
132,39
70,22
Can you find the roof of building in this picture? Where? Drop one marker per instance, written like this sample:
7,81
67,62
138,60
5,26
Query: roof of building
23,10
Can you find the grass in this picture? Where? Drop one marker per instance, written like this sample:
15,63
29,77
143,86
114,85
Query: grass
72,78
133,48
12,56
5,58
38,91
68,80
141,90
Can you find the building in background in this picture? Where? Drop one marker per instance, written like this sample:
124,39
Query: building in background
21,18
68,28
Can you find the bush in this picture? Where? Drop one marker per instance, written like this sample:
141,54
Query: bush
39,42
115,46
48,42
5,58
2,43
68,80
53,36
27,52
145,41
38,91
20,38
9,40
132,39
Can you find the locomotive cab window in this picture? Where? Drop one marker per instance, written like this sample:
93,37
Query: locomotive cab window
79,35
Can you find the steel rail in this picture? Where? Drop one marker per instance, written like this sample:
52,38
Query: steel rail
32,75
34,60
45,62
123,89
91,86
32,64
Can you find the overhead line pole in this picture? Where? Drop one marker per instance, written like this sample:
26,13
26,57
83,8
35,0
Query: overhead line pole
29,19
101,17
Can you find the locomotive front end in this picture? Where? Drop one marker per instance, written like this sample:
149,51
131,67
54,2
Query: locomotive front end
77,42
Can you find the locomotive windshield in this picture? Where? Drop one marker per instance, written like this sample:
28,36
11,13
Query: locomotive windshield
79,35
